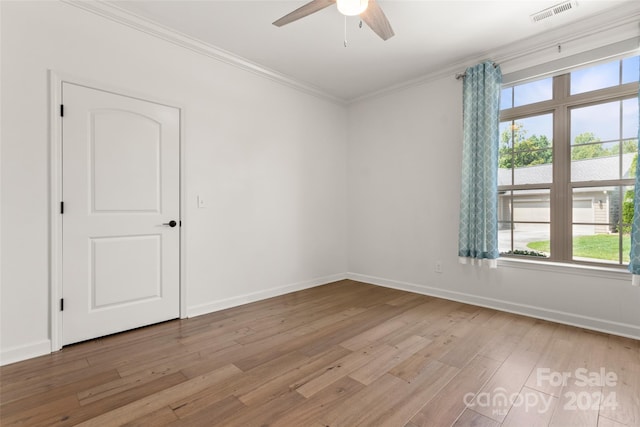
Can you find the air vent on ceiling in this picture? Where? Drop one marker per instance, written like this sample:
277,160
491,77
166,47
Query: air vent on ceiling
565,6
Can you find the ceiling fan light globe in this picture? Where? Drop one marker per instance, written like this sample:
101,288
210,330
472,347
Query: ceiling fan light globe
352,7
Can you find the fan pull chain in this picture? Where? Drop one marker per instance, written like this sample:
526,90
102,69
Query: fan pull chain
345,31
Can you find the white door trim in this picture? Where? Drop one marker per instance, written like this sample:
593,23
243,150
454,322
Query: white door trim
55,191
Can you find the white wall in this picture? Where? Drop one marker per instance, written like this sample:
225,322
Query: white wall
404,181
269,160
297,196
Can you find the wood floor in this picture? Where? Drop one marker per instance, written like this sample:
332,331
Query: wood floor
344,354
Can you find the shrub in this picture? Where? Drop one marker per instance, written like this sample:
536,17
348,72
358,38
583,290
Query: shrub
525,253
627,210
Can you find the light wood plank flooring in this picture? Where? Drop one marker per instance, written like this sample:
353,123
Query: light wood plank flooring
344,354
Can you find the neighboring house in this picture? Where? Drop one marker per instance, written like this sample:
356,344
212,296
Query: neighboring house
596,206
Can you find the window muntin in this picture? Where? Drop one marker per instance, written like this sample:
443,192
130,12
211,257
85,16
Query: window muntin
569,204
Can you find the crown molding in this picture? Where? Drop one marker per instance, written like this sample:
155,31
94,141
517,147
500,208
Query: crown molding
119,15
596,31
590,33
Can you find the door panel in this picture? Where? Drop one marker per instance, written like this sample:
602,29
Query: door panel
125,270
132,142
120,185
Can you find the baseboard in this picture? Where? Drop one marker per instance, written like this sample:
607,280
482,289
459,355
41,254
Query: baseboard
18,354
210,307
600,325
41,348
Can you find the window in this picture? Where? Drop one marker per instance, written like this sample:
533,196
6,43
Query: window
568,151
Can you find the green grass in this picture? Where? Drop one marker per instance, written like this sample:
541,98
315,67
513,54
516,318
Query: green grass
598,246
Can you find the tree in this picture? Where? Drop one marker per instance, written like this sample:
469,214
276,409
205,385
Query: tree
628,207
633,167
534,150
581,151
630,146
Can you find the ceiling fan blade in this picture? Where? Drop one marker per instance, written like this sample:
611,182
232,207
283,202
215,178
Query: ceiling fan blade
375,18
306,10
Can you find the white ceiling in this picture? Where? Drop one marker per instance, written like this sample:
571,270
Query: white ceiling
430,35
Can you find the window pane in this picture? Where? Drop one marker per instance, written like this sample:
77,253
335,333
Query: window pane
595,123
630,69
588,151
531,240
530,170
599,207
504,239
535,239
523,236
601,218
531,205
630,118
506,133
525,151
504,222
505,176
506,98
595,162
596,77
505,155
629,146
504,208
540,127
591,245
626,217
592,160
528,93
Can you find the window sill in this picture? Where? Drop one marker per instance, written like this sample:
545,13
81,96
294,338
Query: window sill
565,268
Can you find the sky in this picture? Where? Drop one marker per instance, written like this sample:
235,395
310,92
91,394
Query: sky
596,119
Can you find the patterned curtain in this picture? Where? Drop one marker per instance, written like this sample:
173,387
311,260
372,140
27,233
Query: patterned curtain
634,254
478,233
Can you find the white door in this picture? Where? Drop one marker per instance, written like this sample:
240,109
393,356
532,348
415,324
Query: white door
120,187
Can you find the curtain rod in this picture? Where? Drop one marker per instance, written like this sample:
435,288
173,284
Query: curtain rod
463,75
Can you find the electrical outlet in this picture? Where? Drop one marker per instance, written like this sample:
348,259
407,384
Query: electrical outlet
438,267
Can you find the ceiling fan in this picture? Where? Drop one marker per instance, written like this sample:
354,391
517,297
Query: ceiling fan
369,11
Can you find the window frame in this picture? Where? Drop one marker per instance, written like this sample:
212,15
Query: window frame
561,188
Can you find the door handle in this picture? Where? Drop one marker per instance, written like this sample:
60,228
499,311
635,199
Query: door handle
171,223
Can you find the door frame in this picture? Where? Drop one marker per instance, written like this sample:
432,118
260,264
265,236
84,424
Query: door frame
56,79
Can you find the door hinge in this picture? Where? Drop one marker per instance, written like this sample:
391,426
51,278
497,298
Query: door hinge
61,304
61,208
61,110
